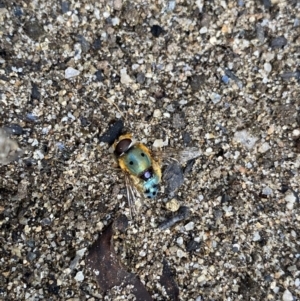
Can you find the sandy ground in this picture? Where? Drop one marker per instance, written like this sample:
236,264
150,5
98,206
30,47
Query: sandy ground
221,76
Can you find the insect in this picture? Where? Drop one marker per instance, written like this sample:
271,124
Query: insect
141,167
136,160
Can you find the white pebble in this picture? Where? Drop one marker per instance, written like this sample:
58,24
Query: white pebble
245,138
256,236
268,67
38,155
269,56
208,151
215,97
79,276
125,78
290,198
179,241
157,113
115,21
106,14
264,147
158,143
180,253
267,191
189,226
142,253
287,296
296,133
203,30
201,278
71,72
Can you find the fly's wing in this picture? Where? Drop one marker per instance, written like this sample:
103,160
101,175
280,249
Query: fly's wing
173,175
132,195
181,156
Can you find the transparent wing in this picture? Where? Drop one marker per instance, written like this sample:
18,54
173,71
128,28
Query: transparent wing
181,156
132,195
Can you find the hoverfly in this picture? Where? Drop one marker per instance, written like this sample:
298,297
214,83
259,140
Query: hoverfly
141,167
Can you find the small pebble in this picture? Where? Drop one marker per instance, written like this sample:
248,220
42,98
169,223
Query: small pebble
35,93
13,129
235,248
156,30
245,138
278,42
125,78
264,147
181,253
196,81
296,133
287,296
189,226
268,67
192,245
140,78
256,236
157,113
173,205
267,191
99,76
203,30
79,276
71,72
179,241
65,6
225,79
215,97
97,44
158,143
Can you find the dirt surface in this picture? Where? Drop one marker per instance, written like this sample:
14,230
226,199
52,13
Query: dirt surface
221,76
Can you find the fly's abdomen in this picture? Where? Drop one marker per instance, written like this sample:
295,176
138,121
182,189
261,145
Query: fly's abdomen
151,186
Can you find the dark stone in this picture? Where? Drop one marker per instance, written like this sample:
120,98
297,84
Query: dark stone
186,137
112,133
18,11
167,281
156,30
278,42
85,45
35,93
65,7
266,3
84,121
33,30
173,177
192,245
31,256
97,44
53,288
196,81
13,129
99,76
140,78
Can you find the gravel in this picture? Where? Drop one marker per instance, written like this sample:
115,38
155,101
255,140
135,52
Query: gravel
218,76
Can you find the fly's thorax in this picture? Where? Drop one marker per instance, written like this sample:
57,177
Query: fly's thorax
136,160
